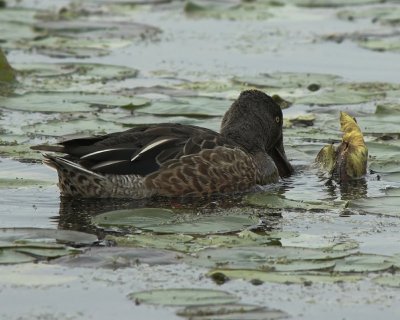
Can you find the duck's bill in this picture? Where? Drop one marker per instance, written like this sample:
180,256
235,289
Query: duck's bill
278,154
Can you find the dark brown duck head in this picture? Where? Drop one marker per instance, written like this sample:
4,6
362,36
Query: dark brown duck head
254,121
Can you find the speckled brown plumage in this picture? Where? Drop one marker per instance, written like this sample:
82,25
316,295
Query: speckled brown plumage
178,160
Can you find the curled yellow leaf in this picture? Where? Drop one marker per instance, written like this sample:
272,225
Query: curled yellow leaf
349,160
352,153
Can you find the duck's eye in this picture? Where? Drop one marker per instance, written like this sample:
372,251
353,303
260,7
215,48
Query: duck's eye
278,119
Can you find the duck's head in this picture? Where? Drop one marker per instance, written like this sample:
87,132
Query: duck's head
254,121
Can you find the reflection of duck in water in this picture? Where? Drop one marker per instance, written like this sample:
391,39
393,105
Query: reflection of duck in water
174,160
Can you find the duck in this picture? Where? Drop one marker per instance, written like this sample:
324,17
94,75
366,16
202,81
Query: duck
176,160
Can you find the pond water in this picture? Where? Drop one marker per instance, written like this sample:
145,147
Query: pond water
304,248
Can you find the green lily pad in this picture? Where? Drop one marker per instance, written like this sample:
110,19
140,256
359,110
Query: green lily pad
340,94
229,9
332,3
274,201
139,218
165,221
206,225
270,258
22,183
72,72
363,263
66,236
113,258
286,278
183,297
14,257
62,101
389,206
385,15
196,107
381,44
46,252
231,312
57,128
289,80
389,280
176,242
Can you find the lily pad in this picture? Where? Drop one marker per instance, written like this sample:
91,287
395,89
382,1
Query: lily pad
57,128
381,44
332,3
285,278
14,257
363,263
269,258
231,312
139,218
207,224
288,80
389,280
183,297
62,101
22,183
389,206
66,236
196,107
165,221
113,258
337,95
70,72
229,9
274,201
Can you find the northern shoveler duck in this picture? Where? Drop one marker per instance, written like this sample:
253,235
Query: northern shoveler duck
177,160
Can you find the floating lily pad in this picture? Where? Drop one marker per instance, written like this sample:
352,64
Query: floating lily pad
59,128
381,44
286,278
270,258
274,201
183,297
363,263
165,221
332,3
113,258
70,72
389,280
196,107
139,218
62,101
384,15
22,183
288,80
14,257
231,312
229,9
67,236
207,224
337,95
176,242
378,205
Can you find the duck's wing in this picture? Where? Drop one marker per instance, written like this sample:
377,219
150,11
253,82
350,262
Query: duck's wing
141,150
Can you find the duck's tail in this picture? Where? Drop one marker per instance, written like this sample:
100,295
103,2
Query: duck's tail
75,180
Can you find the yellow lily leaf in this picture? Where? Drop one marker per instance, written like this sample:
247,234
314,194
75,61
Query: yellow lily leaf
349,160
326,158
352,154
